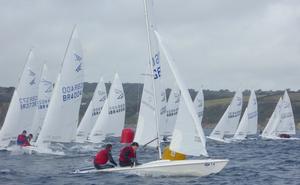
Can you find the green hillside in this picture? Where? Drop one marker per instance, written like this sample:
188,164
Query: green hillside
216,103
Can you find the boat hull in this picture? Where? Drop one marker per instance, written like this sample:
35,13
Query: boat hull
170,168
219,139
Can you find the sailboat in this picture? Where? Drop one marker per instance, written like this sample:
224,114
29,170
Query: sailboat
281,121
188,136
248,124
23,104
111,120
62,116
173,108
44,95
93,111
171,113
229,121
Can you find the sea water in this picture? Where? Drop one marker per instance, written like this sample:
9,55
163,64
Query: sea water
253,161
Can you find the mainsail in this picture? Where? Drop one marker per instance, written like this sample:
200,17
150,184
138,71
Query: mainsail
166,128
111,120
230,119
22,107
62,117
270,129
199,105
44,95
248,124
93,111
287,121
153,105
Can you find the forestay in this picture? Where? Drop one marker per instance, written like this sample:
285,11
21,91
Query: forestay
62,117
92,113
44,95
22,107
112,117
230,119
188,136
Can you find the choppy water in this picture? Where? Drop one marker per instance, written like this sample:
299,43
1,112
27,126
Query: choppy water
251,162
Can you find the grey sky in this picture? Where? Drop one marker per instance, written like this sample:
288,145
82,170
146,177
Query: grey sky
218,44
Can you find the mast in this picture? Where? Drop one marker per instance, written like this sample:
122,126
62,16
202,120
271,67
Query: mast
153,85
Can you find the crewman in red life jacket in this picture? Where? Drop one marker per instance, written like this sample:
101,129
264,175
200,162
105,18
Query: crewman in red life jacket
104,156
22,138
128,155
27,141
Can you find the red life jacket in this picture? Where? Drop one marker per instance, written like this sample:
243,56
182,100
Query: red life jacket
122,157
26,143
101,157
21,139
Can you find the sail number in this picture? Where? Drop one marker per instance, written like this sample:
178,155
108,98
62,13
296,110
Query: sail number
28,102
156,66
210,164
72,92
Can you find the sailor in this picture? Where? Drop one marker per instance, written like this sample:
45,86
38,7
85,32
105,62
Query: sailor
103,157
27,141
128,155
22,138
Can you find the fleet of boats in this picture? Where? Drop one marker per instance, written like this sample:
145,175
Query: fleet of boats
50,111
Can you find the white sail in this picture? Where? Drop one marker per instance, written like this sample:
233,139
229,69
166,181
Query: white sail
241,132
199,105
252,114
147,131
287,123
248,124
22,107
93,111
44,95
62,116
270,129
188,136
166,128
230,119
112,117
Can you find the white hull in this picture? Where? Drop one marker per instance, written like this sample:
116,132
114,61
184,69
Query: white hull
219,139
40,150
279,138
169,168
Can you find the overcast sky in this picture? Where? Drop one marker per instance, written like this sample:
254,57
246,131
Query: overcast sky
216,44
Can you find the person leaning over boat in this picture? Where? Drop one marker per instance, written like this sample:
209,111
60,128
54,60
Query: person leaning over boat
128,155
103,157
22,138
27,141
